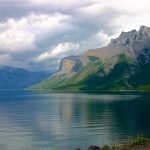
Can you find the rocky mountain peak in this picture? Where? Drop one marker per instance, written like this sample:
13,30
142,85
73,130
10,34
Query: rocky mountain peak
127,34
125,38
144,29
128,38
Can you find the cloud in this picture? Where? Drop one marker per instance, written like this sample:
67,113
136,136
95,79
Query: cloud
63,3
60,49
4,59
103,37
25,38
24,32
36,34
13,40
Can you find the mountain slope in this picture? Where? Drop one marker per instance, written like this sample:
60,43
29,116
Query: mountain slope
122,65
16,78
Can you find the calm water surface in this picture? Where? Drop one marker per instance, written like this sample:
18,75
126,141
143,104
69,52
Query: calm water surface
53,121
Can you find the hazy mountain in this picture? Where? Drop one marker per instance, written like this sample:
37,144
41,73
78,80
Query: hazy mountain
16,78
123,64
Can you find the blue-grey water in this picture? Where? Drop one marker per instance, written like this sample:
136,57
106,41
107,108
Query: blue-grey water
53,121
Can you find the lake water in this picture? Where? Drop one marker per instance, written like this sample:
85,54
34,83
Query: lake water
64,121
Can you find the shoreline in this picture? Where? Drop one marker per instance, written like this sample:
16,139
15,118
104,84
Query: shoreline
91,91
138,142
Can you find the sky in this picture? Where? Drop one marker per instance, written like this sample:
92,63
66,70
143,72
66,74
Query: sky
37,34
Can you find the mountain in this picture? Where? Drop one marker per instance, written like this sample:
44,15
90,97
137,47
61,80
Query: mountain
124,64
16,78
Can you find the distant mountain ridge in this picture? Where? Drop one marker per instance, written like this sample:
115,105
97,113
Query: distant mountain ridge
17,78
122,65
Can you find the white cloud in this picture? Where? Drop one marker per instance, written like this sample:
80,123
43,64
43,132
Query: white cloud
48,29
126,6
62,3
61,48
130,13
104,38
94,9
135,6
14,40
19,35
127,23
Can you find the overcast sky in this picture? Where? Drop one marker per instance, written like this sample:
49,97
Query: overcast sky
36,34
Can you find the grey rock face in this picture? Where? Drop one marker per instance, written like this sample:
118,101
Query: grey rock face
71,64
125,38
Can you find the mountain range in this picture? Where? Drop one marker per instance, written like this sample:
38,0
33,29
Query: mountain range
17,78
124,64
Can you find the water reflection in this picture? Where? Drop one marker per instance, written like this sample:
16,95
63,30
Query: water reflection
50,121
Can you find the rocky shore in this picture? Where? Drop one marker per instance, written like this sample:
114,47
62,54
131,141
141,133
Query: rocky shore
133,143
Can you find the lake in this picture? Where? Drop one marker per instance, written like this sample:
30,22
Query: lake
41,120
